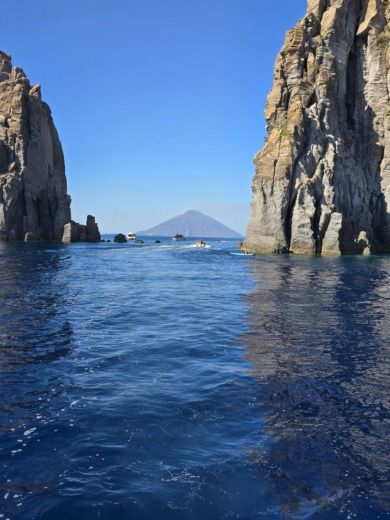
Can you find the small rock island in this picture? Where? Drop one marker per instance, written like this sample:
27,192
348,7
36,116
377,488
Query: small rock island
34,203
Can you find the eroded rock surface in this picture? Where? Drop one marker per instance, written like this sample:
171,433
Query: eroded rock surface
34,204
322,181
74,232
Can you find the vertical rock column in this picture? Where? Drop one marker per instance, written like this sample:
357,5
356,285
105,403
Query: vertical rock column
322,181
33,195
34,204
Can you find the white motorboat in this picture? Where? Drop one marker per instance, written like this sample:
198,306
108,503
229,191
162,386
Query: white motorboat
202,244
131,236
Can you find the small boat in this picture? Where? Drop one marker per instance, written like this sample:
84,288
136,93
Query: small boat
201,243
131,236
178,237
139,241
241,253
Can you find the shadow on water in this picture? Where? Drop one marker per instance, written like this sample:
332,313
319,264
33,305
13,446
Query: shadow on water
35,336
318,341
33,328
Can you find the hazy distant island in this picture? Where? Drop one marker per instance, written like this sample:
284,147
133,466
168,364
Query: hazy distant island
192,223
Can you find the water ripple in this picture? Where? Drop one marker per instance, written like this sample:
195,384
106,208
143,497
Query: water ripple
165,382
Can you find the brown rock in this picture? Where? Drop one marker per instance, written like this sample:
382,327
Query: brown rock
34,203
74,232
322,180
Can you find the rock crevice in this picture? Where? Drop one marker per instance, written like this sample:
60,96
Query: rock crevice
322,181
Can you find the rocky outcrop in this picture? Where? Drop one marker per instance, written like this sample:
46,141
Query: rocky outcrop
34,204
74,232
322,181
120,238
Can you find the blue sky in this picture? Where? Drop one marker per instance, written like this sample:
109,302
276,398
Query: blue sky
159,104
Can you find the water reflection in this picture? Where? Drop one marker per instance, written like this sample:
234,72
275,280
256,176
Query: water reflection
35,336
33,327
318,341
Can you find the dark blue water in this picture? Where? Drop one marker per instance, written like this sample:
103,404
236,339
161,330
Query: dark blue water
164,382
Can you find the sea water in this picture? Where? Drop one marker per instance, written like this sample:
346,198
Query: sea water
161,381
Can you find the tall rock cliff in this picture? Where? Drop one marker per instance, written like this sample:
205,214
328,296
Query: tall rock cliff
322,181
34,204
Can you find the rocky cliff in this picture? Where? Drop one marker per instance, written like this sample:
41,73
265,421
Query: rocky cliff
34,204
322,181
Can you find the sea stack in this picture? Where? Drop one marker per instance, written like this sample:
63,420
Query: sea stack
34,203
322,181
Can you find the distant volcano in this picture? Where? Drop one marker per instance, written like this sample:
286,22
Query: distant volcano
192,224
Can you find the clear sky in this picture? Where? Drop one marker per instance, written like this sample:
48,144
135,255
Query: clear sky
158,103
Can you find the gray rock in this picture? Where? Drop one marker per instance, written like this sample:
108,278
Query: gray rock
93,234
120,238
75,232
33,192
30,237
5,63
322,181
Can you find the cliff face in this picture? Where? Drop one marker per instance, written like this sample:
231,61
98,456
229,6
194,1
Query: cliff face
34,204
322,181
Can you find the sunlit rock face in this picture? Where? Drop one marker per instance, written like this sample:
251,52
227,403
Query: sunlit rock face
34,204
322,181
